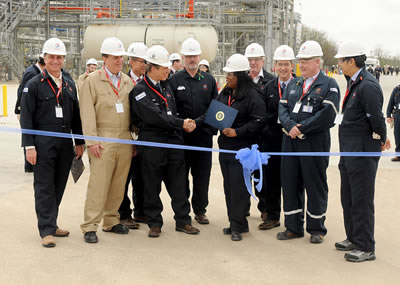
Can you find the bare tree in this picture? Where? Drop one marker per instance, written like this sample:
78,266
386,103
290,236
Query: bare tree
328,46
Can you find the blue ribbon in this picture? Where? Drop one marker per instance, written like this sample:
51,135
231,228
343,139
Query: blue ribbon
251,160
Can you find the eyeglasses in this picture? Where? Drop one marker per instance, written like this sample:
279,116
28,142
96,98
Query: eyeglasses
255,58
142,61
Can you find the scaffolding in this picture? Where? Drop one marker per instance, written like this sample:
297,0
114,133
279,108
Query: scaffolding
25,25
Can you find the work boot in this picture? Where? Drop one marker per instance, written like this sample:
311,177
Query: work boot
288,235
90,237
236,236
316,238
188,229
48,241
130,223
61,233
268,224
345,245
359,256
154,232
202,219
118,229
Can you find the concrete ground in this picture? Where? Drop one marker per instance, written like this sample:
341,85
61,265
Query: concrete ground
177,258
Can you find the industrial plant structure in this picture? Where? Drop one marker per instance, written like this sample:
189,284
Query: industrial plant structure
222,28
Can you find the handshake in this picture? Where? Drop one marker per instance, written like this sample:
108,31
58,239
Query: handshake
189,125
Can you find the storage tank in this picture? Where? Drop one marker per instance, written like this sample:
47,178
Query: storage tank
169,36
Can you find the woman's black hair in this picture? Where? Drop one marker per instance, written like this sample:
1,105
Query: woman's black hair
244,84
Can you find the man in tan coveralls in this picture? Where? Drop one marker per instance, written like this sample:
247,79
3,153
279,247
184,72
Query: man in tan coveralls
104,103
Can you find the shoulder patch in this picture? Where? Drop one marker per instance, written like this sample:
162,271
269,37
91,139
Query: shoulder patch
140,96
334,90
25,89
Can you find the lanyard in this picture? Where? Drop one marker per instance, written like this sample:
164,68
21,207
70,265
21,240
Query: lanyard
52,88
279,87
133,80
112,85
304,85
158,93
347,94
229,101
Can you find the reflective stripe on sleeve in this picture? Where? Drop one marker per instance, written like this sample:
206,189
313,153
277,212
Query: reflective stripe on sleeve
332,104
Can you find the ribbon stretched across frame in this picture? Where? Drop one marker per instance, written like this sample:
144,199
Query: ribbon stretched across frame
251,160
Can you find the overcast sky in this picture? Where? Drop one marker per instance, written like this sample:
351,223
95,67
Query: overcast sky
374,23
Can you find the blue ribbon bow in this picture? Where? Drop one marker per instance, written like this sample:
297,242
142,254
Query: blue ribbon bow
251,160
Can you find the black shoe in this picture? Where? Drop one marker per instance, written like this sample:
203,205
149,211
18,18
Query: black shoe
236,236
227,231
288,235
316,238
90,237
118,229
28,170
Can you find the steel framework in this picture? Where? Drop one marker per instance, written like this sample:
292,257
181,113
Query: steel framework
24,25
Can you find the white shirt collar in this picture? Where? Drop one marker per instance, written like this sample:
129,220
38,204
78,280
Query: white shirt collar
153,81
354,77
134,76
57,80
114,78
287,81
257,78
310,80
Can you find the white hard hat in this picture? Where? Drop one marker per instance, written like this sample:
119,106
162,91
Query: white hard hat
158,55
91,61
54,46
190,47
310,49
112,46
237,62
204,62
254,50
41,55
175,56
284,52
137,49
349,49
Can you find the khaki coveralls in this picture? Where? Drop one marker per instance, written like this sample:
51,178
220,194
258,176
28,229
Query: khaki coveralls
109,172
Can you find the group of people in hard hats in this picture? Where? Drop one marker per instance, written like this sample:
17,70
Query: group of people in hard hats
164,99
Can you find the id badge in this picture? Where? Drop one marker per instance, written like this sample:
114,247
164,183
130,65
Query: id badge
338,119
119,107
59,112
307,109
296,108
